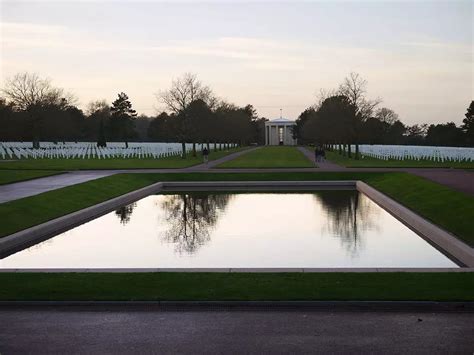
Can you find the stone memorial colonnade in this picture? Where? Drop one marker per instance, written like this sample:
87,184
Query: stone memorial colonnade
279,132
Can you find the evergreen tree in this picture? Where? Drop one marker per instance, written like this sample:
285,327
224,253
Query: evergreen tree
121,119
101,141
468,124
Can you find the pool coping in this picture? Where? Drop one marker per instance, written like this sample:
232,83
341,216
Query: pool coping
443,240
236,270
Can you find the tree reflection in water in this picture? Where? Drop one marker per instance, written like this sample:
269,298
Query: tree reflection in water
191,217
124,213
349,215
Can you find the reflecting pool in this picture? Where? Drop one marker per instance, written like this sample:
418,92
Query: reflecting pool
309,229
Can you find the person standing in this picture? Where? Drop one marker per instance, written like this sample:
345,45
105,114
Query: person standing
316,154
205,155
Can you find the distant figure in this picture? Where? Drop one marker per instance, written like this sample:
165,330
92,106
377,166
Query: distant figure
205,155
319,154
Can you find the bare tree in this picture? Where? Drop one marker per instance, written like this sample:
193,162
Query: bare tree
322,95
25,90
185,90
97,106
28,92
354,87
386,115
177,99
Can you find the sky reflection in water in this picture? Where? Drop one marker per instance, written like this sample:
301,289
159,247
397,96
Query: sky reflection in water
321,229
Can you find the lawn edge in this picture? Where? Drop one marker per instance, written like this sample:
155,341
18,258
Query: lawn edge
354,305
53,173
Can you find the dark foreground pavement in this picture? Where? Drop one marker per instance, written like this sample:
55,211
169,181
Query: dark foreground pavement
92,330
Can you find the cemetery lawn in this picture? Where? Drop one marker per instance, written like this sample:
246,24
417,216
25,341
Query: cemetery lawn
369,162
450,209
112,163
10,176
270,157
237,286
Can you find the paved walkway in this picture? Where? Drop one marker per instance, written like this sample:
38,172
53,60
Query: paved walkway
34,187
110,331
462,180
322,165
214,163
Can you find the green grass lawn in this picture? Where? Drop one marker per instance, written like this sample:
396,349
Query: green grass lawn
113,163
369,162
450,209
270,157
237,286
9,176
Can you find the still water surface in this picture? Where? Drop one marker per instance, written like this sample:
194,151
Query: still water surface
317,229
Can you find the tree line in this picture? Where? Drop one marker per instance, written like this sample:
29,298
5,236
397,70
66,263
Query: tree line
32,109
346,117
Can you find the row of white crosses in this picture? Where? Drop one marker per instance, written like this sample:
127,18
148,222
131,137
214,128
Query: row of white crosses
411,152
89,150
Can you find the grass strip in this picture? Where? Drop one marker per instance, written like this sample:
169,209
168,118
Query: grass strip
270,157
369,162
112,163
10,176
237,287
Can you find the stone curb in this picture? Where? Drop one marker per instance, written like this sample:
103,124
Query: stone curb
259,185
418,306
434,234
276,184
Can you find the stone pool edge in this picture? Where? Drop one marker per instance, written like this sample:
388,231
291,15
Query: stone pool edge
443,240
237,270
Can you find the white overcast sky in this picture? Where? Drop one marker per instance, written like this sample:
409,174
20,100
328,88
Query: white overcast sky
416,55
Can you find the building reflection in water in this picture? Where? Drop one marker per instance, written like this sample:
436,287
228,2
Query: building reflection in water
350,215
